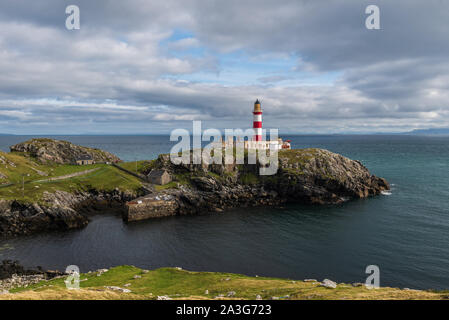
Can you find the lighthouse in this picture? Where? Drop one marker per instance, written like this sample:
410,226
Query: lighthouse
256,142
257,121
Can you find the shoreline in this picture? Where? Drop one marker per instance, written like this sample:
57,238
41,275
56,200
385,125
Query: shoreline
66,196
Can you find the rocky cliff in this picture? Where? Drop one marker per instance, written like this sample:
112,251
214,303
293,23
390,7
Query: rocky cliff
59,151
41,191
311,176
60,211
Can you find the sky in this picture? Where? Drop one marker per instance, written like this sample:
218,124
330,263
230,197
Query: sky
145,66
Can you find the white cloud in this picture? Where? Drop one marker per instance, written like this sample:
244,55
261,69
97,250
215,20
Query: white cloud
116,69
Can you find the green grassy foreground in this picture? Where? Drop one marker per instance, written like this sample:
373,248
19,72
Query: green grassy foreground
181,284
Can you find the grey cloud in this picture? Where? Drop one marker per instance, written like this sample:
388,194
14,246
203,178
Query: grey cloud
397,76
330,33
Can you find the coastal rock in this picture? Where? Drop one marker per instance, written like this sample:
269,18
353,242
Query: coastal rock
59,151
358,284
4,160
115,288
17,281
101,271
206,184
59,211
13,275
309,176
328,284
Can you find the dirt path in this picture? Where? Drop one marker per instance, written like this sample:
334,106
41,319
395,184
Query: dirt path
67,176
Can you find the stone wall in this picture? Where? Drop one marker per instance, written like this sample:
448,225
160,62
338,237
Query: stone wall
151,206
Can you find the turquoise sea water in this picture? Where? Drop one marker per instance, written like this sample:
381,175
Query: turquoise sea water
405,233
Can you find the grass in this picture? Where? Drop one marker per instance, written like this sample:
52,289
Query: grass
170,185
182,284
249,178
141,165
300,156
105,178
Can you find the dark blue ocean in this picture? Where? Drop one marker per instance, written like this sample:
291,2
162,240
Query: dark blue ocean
405,233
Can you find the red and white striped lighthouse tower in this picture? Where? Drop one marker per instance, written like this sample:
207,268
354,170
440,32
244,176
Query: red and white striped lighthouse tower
257,121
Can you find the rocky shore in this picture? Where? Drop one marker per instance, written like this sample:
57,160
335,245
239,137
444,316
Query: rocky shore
309,176
13,275
60,211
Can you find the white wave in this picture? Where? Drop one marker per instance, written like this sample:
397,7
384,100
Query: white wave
386,193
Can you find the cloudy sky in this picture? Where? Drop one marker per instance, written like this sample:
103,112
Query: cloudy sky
146,66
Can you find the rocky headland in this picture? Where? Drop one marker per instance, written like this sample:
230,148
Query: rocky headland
309,176
43,190
48,201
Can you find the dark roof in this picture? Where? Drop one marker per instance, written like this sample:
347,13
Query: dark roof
257,102
83,157
157,173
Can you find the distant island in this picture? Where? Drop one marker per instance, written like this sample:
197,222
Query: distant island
436,131
43,187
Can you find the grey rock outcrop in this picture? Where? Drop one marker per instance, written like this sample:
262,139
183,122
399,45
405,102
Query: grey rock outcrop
115,288
328,284
59,151
310,176
59,211
13,275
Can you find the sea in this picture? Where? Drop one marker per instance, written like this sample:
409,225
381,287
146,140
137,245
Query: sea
404,232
